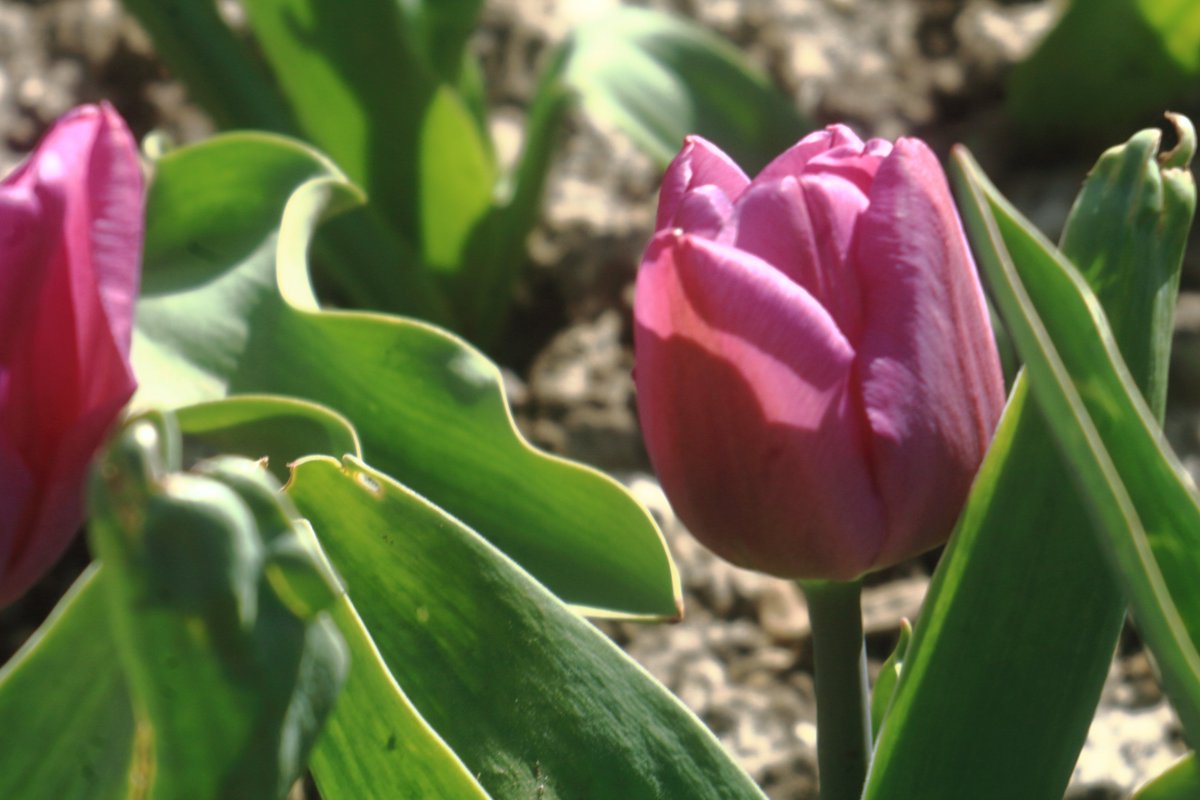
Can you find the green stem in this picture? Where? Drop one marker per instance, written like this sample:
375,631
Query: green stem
843,700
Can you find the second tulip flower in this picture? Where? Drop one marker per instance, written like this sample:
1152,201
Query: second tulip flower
816,374
70,261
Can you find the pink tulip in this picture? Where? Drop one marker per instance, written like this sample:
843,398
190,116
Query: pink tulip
816,374
70,254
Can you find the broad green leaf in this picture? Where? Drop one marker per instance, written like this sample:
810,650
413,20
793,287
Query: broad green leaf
1063,93
535,701
1024,561
230,686
660,78
213,321
280,429
376,746
1145,509
66,717
1180,782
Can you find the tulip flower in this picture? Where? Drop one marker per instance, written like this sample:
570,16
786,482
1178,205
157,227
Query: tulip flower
71,219
817,379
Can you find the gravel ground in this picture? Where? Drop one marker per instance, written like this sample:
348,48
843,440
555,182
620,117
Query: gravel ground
741,658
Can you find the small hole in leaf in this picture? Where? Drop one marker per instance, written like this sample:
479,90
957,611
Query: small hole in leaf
368,483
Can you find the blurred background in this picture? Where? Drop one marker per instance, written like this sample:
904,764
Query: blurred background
1035,88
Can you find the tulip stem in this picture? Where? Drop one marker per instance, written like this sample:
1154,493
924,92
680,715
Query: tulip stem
843,699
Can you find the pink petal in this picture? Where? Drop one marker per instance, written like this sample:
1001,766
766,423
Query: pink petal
745,400
703,212
699,163
65,375
20,211
930,374
794,160
116,192
794,227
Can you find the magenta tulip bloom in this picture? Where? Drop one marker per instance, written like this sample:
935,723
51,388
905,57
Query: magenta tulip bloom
816,375
70,259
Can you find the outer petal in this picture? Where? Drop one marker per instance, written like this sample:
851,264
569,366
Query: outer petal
931,380
744,396
20,210
66,375
699,163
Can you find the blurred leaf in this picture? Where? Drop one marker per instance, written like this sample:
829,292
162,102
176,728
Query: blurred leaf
885,681
440,30
430,410
1145,508
79,724
370,257
456,182
1180,782
230,687
219,70
409,140
1064,94
67,730
497,248
1024,561
534,700
659,77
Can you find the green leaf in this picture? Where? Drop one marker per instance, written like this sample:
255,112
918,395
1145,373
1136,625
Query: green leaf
217,67
213,321
279,429
1063,93
1145,509
376,746
370,257
535,701
1180,782
1024,561
440,30
70,730
889,675
408,140
78,724
660,78
1154,197
230,685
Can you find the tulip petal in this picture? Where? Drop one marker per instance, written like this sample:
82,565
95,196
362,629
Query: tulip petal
116,191
744,392
66,376
791,227
16,489
930,374
19,213
794,160
703,212
699,163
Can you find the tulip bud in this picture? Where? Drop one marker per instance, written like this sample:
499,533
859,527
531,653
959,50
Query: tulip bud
816,374
70,253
